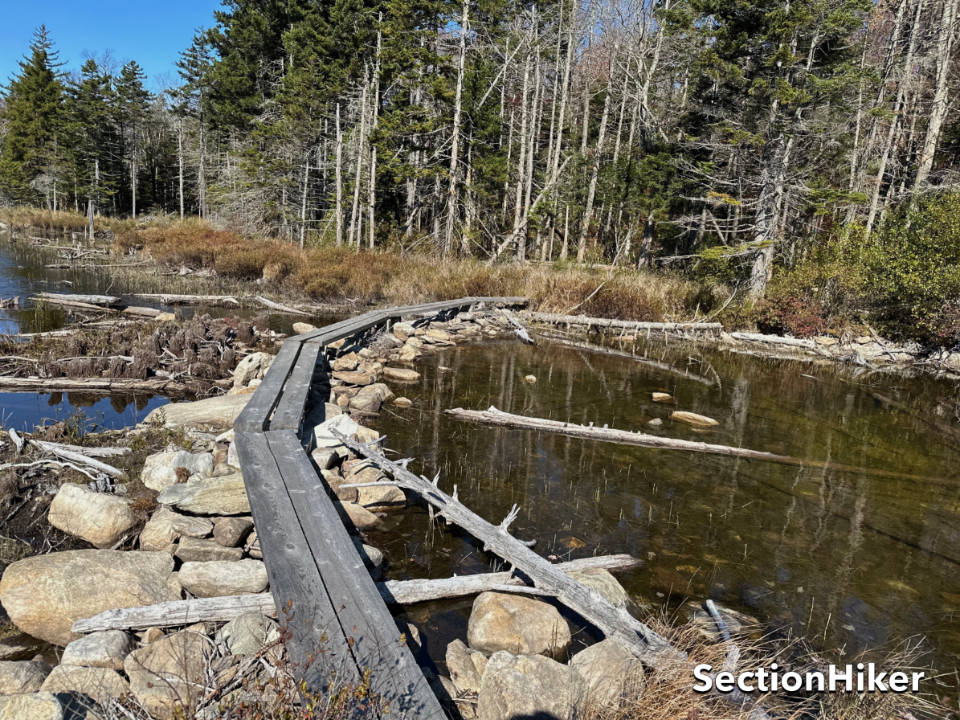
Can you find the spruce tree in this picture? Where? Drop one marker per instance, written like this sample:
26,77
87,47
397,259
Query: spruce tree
32,113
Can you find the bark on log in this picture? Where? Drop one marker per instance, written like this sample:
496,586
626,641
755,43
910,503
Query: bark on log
774,340
165,299
493,416
610,620
84,299
398,592
671,327
66,301
279,307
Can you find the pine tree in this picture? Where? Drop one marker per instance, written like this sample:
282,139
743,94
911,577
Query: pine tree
33,113
132,105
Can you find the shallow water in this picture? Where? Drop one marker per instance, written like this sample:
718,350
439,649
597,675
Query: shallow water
854,559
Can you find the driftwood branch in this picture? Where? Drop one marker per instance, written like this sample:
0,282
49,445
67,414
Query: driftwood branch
518,328
166,299
610,620
106,385
65,452
493,416
397,592
279,307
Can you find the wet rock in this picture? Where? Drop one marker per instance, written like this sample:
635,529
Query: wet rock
366,435
465,666
105,649
372,557
437,336
253,366
36,706
361,518
370,398
216,413
209,496
98,684
611,672
299,328
248,633
530,379
22,676
408,353
166,675
661,397
231,531
99,518
605,584
655,422
517,624
348,361
694,419
529,686
165,527
402,330
45,594
215,578
164,469
402,402
400,374
202,550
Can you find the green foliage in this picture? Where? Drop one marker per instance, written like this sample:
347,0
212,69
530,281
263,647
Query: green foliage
912,267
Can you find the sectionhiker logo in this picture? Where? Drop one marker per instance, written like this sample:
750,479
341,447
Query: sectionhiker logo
845,678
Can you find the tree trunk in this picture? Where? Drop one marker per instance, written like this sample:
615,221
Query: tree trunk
339,179
452,200
180,164
353,234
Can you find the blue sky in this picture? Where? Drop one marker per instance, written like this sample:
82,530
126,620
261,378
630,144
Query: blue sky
152,33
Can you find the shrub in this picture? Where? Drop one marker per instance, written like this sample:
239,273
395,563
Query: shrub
791,315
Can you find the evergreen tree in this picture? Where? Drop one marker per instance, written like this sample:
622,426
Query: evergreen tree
32,113
132,105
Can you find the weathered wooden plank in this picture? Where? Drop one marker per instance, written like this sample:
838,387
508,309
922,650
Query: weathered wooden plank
256,413
376,642
293,397
317,642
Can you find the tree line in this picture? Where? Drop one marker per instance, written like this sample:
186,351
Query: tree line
630,132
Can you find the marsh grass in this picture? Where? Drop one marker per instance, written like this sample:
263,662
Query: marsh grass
330,274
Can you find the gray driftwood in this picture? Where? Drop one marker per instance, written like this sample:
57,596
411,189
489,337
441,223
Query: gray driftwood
589,322
397,592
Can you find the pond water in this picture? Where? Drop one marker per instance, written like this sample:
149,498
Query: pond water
856,559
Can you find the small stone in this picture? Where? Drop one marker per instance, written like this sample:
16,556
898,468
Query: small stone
230,531
361,518
694,419
438,337
248,634
530,379
408,353
164,469
403,330
105,649
166,526
201,550
151,635
99,518
604,584
661,397
215,578
655,422
465,666
366,435
252,546
22,676
354,377
400,374
343,424
300,328
402,402
251,367
370,398
99,684
516,623
346,362
167,675
325,458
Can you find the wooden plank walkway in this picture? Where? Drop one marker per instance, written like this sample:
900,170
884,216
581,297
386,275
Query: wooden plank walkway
341,632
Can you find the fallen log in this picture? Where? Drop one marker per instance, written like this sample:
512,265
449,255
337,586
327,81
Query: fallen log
493,416
518,328
105,300
279,307
65,452
397,592
141,311
95,385
775,340
167,299
610,620
668,327
67,301
655,364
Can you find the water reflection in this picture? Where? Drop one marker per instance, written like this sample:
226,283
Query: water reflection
25,410
852,558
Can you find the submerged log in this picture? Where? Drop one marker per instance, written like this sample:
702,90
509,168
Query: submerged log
95,385
65,299
279,307
671,327
397,592
493,416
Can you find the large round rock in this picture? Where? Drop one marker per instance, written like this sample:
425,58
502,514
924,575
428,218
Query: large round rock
45,594
529,686
516,624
